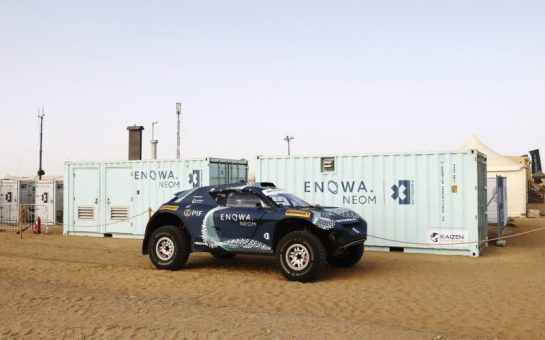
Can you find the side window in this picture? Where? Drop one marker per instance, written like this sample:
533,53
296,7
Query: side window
220,198
242,200
281,200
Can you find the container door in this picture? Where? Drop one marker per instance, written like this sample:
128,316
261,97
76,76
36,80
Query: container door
59,201
9,202
118,200
218,173
492,200
45,202
238,173
86,190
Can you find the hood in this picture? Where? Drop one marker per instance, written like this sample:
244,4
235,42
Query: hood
325,217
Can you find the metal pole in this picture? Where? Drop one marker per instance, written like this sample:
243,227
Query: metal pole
289,152
178,113
41,172
153,142
288,139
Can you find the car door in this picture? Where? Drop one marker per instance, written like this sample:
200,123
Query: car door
240,218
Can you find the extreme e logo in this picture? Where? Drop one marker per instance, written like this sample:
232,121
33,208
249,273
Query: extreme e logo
403,191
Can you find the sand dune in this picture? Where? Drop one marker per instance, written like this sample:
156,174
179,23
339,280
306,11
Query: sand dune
78,287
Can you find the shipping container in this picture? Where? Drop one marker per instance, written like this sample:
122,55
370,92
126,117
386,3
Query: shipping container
13,194
49,201
419,202
114,198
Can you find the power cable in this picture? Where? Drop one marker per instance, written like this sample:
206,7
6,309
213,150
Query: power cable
58,143
26,149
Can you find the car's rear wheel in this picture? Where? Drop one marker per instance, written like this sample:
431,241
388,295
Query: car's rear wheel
348,258
169,247
301,256
221,254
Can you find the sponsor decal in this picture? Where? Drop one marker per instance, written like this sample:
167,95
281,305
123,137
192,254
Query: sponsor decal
353,192
245,220
298,213
446,236
192,213
164,178
197,200
403,192
169,207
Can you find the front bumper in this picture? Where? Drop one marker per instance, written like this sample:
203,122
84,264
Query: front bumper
348,234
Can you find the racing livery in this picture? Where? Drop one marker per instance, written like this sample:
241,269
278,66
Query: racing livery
226,220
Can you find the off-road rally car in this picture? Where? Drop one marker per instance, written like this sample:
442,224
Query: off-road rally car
257,219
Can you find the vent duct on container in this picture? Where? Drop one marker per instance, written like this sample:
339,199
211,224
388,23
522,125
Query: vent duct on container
135,142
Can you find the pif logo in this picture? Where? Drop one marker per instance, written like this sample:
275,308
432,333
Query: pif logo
403,192
192,213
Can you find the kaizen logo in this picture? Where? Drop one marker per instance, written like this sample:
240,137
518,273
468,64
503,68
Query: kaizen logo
403,191
442,236
195,178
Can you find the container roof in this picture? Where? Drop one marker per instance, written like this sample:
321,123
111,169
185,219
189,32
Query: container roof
495,161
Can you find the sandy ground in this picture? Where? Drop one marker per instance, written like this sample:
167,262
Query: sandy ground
81,287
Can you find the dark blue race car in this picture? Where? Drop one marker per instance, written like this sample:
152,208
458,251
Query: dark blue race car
226,220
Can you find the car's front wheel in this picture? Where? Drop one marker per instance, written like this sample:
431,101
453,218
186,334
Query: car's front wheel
301,256
348,258
169,247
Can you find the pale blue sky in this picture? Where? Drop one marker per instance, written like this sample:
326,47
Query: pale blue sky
340,76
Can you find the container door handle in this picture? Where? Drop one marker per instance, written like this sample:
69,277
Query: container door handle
96,200
108,201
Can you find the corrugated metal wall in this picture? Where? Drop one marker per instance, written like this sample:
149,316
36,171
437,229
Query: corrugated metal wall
404,197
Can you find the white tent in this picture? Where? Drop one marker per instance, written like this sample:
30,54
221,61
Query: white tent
514,168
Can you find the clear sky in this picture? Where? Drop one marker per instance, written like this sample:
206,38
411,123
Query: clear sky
340,76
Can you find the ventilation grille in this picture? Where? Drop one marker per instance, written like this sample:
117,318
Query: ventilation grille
86,213
328,164
119,213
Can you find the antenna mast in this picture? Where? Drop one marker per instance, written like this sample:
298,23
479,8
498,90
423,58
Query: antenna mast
178,113
41,172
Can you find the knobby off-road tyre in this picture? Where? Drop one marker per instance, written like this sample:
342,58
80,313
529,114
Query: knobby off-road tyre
169,247
349,258
221,254
301,256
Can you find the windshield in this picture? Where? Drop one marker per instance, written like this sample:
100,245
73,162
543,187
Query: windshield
285,199
181,195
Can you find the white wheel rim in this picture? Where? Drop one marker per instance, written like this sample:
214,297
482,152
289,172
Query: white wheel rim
297,257
164,248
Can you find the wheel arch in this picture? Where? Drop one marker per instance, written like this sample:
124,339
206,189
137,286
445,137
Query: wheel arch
160,219
288,225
